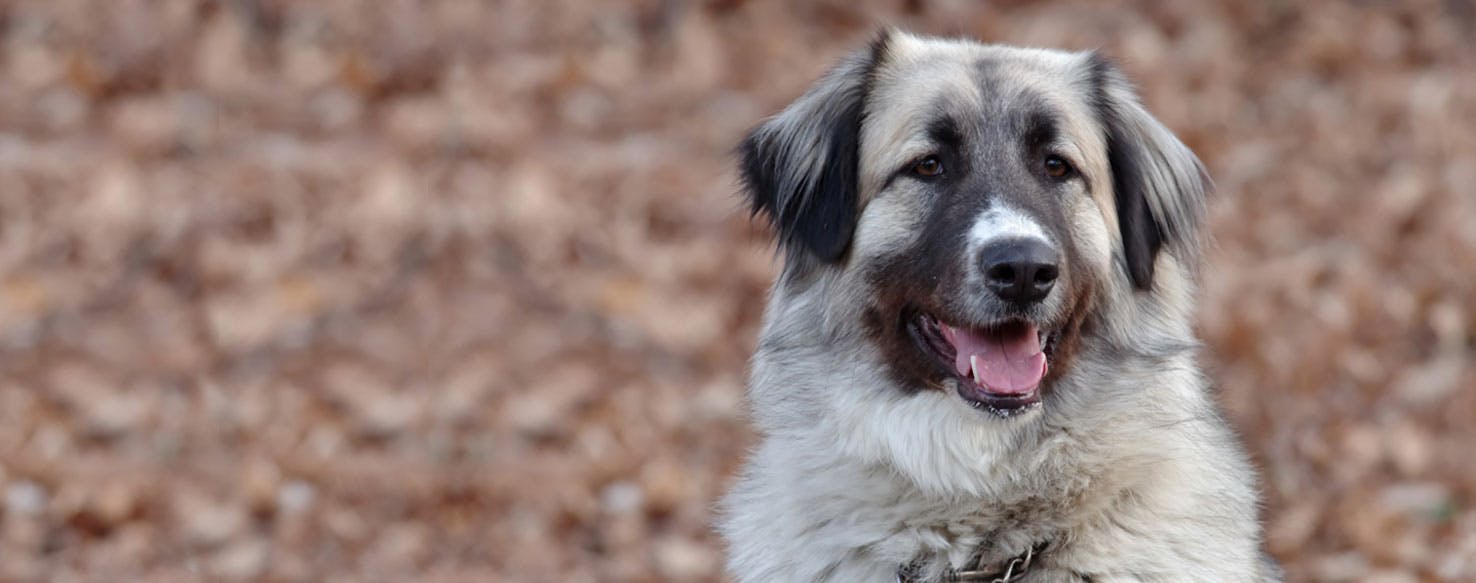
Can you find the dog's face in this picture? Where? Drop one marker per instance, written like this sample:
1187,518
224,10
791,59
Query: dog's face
973,212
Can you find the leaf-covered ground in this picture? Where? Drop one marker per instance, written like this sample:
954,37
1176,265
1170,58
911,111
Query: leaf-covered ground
459,290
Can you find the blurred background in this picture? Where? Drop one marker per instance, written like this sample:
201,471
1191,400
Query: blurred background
458,290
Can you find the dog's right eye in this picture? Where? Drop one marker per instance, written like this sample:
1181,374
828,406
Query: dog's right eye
928,167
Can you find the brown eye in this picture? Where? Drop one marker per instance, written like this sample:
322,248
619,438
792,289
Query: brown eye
929,166
1056,167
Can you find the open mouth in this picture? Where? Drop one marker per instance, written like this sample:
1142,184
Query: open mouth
998,367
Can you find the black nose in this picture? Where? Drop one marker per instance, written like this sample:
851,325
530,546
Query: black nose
1020,270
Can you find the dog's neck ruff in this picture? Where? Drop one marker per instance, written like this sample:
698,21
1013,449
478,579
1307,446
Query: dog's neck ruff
1001,572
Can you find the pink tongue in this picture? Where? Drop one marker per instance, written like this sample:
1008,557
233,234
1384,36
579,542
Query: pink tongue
1008,363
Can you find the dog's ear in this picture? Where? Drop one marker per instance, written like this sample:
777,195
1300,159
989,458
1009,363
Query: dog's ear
1159,185
800,167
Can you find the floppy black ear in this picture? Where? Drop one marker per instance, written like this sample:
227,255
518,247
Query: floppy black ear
801,166
1159,184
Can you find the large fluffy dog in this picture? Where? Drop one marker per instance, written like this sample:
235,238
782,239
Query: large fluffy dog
979,358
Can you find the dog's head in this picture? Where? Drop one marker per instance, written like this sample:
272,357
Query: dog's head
975,214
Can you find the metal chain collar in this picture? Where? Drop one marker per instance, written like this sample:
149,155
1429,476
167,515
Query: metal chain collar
1012,570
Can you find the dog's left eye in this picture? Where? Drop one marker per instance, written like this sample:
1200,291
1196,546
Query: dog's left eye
1057,167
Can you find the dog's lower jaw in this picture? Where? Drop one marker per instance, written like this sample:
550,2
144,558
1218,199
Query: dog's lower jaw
1005,411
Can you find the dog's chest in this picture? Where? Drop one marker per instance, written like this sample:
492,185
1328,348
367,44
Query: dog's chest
932,535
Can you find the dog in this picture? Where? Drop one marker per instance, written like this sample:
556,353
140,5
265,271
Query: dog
978,362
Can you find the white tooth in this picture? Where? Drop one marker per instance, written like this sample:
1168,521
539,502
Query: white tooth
974,364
